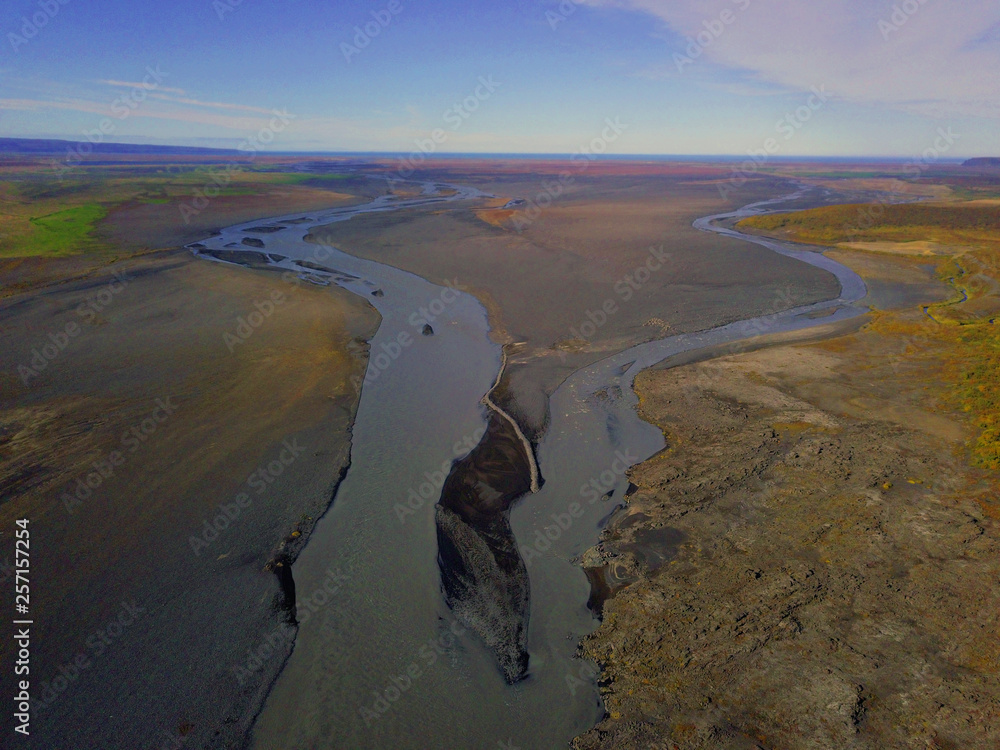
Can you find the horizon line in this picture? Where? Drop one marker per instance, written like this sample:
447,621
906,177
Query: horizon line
487,154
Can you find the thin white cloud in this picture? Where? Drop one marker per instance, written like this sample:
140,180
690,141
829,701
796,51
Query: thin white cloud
213,105
139,84
35,105
247,123
163,93
941,59
331,132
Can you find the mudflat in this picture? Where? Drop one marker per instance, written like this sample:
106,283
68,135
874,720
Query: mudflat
170,426
609,262
174,427
809,563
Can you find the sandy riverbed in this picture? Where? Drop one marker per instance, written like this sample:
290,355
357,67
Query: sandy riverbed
264,417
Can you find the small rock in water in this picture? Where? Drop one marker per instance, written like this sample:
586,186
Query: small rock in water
428,331
253,242
378,293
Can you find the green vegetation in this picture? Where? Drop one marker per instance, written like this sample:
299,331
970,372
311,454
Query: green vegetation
907,222
979,389
846,174
300,178
959,333
972,194
65,232
47,213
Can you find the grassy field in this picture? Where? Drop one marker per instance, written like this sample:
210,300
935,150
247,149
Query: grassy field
64,232
945,224
961,333
45,214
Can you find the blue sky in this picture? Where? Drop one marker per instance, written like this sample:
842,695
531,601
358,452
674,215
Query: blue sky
891,74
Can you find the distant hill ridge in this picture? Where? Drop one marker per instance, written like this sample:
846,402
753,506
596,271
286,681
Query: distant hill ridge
983,161
51,145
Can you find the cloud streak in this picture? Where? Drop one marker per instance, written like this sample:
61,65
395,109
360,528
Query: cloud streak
212,105
928,57
240,123
139,84
315,131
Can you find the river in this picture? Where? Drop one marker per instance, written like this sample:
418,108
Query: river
381,662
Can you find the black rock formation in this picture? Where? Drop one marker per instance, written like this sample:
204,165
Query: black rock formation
264,230
983,161
484,578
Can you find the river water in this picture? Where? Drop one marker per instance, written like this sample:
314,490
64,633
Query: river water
381,663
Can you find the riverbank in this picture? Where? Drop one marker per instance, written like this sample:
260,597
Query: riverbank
433,358
548,277
183,421
808,563
485,583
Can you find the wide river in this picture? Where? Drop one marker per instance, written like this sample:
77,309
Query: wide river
382,663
